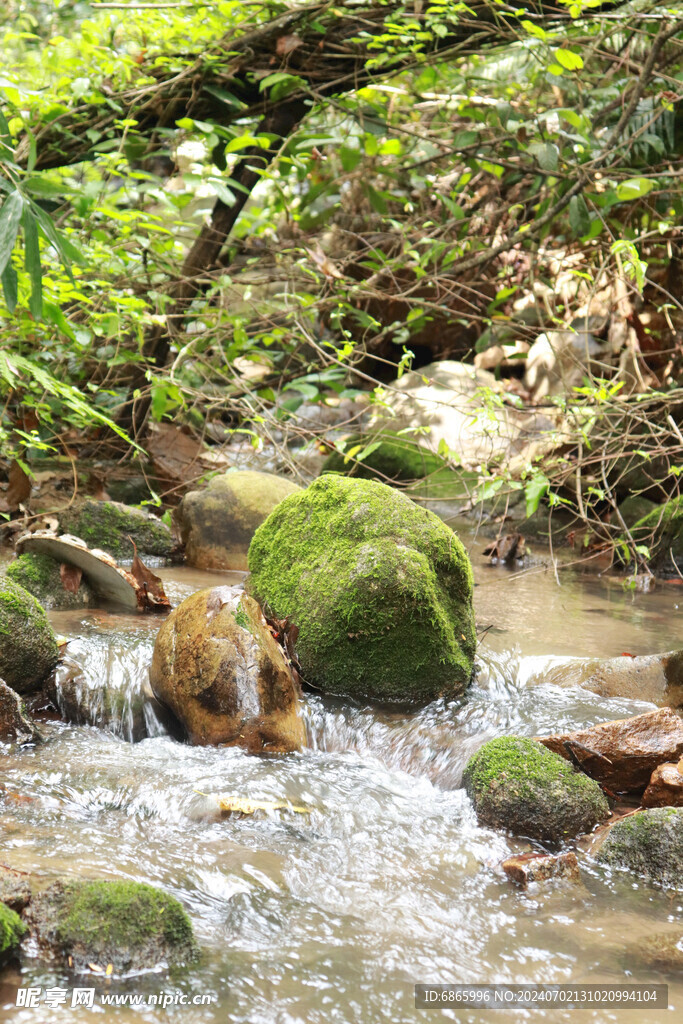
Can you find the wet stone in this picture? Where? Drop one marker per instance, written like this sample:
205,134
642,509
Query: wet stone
539,867
665,788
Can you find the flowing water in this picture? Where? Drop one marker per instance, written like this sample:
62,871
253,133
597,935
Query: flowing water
333,915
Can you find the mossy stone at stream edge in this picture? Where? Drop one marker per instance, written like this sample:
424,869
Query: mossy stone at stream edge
12,930
662,531
379,588
395,458
127,924
519,785
649,843
108,525
28,648
40,575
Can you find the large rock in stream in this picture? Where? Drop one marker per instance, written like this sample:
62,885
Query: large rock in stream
657,678
623,754
41,575
648,843
519,785
28,648
217,524
217,667
379,589
110,526
129,925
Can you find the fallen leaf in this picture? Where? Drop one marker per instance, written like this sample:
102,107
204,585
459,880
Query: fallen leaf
240,805
324,263
71,577
18,490
287,44
151,584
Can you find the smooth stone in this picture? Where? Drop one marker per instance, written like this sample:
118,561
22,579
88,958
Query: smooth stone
218,669
218,523
665,788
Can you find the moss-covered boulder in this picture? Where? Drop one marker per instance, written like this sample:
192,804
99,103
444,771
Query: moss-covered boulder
379,589
393,458
649,843
28,648
12,930
131,926
41,576
634,508
519,785
218,523
108,525
217,667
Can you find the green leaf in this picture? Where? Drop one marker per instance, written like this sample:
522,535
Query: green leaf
10,217
534,490
32,261
10,287
634,188
568,59
546,153
579,217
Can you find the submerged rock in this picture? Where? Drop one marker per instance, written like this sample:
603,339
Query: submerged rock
657,678
217,667
131,926
108,525
119,710
649,843
14,721
41,576
379,589
663,953
623,754
519,785
217,524
28,648
665,788
12,930
526,868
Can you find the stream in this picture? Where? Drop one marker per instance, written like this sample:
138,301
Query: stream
385,879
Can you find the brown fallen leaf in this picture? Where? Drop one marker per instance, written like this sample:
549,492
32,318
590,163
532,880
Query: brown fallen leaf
287,44
151,584
71,577
18,490
323,262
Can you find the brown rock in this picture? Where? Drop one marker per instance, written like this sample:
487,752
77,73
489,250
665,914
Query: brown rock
622,755
14,722
15,888
666,787
663,952
217,667
539,867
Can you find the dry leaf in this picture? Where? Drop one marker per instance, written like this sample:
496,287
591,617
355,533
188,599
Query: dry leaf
151,584
287,44
18,490
240,805
324,263
71,577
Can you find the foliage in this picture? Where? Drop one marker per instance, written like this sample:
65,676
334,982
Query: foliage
450,174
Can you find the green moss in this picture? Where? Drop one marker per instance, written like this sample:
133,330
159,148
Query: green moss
12,929
28,648
40,575
402,460
108,525
649,843
520,785
242,619
662,531
122,915
379,588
